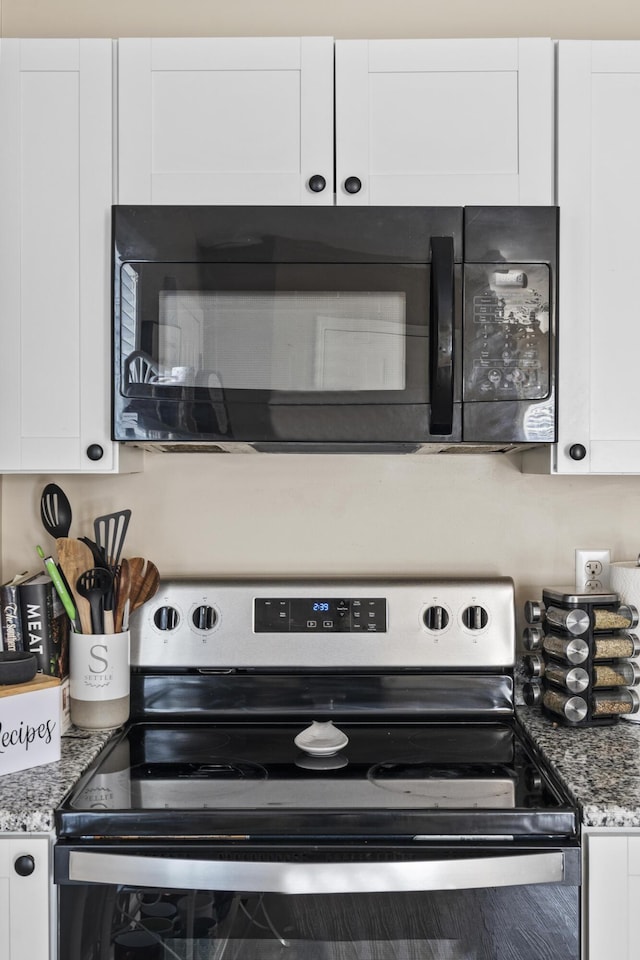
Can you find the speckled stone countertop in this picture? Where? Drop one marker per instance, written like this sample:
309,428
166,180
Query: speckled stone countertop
600,766
29,797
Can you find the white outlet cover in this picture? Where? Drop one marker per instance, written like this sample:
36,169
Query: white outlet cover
592,582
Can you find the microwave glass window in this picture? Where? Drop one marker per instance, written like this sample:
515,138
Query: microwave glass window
290,340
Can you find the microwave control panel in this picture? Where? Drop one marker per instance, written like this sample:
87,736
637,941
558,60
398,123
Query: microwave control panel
506,331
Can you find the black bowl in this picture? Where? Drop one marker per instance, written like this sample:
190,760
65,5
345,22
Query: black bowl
17,666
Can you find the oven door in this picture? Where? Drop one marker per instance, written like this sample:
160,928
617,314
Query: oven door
358,903
283,341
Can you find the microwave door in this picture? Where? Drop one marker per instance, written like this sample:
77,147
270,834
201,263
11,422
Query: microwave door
441,323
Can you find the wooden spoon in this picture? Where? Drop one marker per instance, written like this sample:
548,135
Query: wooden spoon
144,581
74,558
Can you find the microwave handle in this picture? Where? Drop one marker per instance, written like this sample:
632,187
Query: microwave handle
441,336
246,876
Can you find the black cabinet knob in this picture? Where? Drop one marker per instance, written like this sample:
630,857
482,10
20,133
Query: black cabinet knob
317,183
577,451
95,451
24,866
353,185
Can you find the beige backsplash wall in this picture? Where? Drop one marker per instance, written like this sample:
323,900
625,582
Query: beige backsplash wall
320,515
296,515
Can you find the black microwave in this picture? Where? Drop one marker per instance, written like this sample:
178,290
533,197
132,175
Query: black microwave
334,329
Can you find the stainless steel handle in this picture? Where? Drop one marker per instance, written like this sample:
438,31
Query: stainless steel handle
302,878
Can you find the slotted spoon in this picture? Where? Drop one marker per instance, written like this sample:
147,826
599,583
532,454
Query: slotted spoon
55,511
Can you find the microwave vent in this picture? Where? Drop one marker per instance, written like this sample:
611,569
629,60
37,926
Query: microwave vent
416,449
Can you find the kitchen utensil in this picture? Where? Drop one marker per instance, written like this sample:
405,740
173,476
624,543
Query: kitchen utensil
60,585
55,511
145,580
93,585
110,531
74,557
99,559
122,591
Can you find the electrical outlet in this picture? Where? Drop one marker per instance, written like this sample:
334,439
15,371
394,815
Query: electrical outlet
592,571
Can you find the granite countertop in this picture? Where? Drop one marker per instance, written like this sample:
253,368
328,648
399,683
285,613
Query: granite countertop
29,797
600,766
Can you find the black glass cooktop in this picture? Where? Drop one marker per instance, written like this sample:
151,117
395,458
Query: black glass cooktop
252,781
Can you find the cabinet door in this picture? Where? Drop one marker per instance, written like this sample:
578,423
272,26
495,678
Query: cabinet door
55,197
444,122
599,197
25,898
225,120
611,896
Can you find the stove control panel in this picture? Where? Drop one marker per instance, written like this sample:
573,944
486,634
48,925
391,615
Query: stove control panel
327,624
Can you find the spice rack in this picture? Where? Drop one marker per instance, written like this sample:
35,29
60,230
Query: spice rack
579,659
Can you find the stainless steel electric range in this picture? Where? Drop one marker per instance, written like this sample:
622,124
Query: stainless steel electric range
321,770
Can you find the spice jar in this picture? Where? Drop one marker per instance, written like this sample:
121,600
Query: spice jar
574,621
532,638
621,618
575,679
533,666
615,702
572,707
572,649
616,645
617,673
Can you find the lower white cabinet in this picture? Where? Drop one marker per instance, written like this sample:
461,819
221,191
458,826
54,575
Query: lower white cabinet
26,898
612,895
56,190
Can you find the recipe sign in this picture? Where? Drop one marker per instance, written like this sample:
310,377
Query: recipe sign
29,724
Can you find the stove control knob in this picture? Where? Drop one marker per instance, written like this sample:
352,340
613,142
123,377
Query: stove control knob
166,618
204,617
475,618
436,618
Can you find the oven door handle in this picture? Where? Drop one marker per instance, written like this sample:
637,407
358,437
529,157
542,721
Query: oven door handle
245,876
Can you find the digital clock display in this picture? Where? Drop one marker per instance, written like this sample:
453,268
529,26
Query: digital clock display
310,615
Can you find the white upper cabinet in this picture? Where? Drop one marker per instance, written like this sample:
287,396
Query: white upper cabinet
55,199
225,120
445,122
599,313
